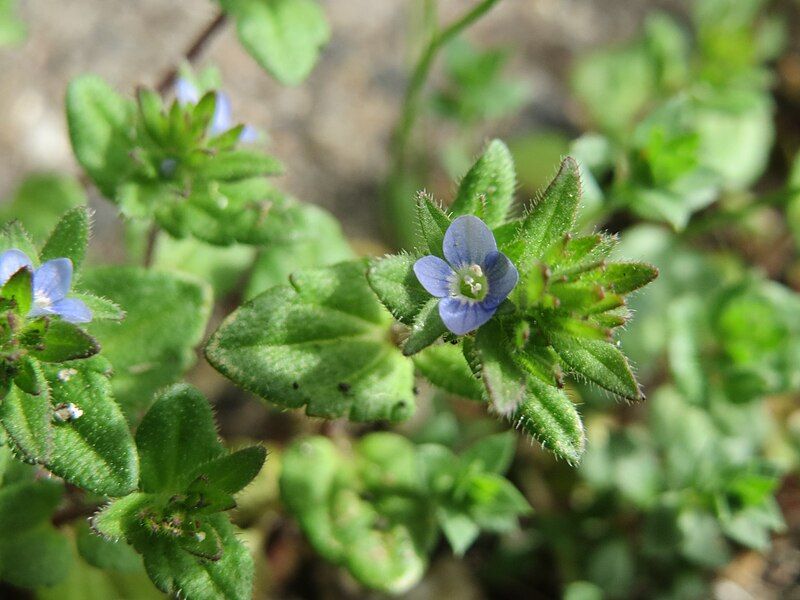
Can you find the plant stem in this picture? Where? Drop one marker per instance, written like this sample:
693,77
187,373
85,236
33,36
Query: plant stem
193,52
420,75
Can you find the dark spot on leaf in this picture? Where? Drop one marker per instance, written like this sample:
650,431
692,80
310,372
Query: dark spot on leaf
344,387
295,385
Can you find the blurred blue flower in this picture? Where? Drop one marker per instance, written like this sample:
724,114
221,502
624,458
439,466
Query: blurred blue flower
473,281
187,93
50,283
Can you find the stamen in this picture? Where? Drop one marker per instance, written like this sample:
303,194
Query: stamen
477,270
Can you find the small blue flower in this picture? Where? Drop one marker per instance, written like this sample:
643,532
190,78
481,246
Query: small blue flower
50,283
187,93
474,280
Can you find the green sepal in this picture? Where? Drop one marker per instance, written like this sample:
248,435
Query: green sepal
19,292
151,110
487,190
432,223
427,328
69,238
624,277
233,165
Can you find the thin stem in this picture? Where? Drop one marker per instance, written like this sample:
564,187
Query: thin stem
420,75
193,52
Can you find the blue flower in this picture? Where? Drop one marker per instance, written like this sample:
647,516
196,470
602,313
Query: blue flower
187,93
50,283
474,280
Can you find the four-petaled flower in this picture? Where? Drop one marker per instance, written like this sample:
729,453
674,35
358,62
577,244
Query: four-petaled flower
187,93
474,280
50,283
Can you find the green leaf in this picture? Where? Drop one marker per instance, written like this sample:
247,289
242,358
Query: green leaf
29,376
322,344
19,291
40,201
64,341
392,278
487,190
549,415
99,127
69,238
444,366
177,434
284,36
94,451
26,418
428,327
231,473
12,29
432,222
240,164
32,552
177,572
598,361
553,216
166,315
460,529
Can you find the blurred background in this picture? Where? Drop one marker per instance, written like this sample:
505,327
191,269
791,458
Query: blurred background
686,118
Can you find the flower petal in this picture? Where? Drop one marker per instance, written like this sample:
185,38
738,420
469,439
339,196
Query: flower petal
223,116
502,277
249,135
434,274
72,310
12,261
52,279
468,241
461,317
186,92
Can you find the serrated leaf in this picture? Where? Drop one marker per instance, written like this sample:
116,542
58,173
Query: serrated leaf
64,341
99,122
553,216
432,223
283,36
176,571
487,190
166,315
94,451
392,278
598,361
69,238
549,415
322,344
427,328
230,473
444,366
177,434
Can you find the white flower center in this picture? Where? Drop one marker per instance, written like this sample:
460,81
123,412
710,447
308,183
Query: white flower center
470,284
